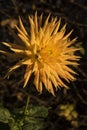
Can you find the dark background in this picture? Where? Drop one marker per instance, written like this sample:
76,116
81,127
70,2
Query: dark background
12,95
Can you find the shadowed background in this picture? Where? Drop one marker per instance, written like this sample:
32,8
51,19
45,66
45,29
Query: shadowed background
72,101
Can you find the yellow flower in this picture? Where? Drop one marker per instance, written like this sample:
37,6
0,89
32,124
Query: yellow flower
47,53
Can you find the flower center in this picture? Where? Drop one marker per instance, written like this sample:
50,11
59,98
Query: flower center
36,56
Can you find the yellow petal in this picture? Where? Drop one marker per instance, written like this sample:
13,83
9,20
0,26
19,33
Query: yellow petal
22,27
27,76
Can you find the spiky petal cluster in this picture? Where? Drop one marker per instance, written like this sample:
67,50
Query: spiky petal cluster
47,53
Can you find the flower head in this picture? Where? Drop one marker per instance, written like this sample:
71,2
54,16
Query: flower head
47,53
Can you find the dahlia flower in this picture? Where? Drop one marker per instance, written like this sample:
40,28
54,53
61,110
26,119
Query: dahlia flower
46,52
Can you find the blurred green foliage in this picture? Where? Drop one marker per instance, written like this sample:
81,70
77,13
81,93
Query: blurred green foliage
33,120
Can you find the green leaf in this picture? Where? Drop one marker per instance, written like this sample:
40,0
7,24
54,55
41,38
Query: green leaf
34,117
32,120
6,118
37,111
14,125
4,115
36,125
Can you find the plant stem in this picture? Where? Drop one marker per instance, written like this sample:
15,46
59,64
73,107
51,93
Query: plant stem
21,122
26,106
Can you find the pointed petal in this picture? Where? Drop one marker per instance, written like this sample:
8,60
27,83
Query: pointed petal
22,27
27,75
50,87
36,80
22,33
36,23
57,27
46,23
26,41
32,30
40,21
67,36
